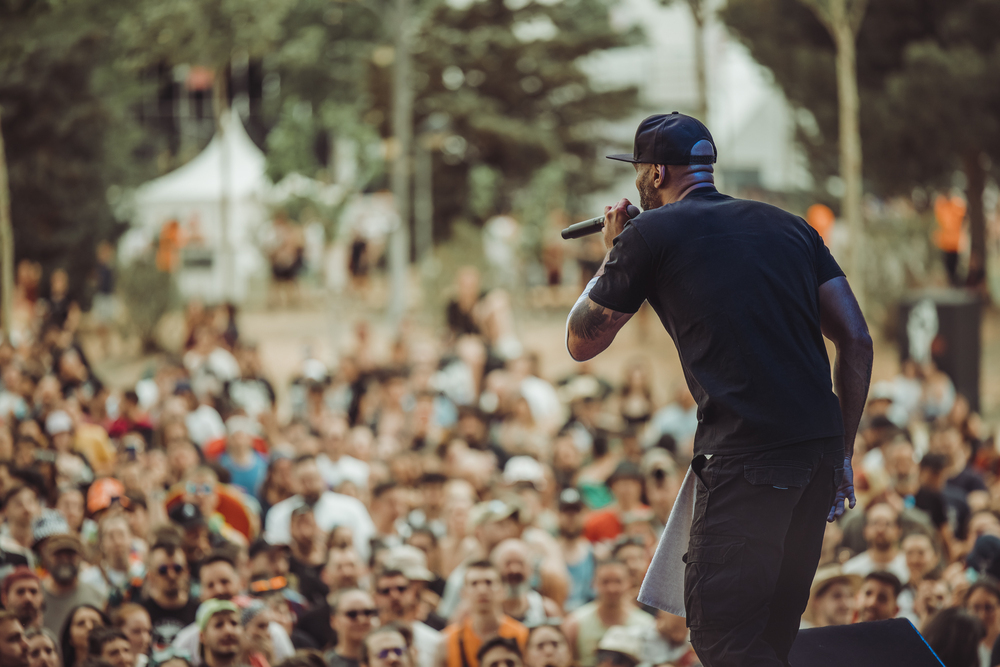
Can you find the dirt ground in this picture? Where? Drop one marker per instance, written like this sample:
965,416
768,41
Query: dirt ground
323,326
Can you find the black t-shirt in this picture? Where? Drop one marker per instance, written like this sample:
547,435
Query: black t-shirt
168,622
736,285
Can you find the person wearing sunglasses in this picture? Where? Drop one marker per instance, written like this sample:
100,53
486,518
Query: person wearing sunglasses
352,617
390,645
167,591
397,591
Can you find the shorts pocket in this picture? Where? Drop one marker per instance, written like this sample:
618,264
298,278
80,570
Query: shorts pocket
779,474
713,580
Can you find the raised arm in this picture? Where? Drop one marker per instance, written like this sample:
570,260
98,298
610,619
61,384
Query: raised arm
591,327
844,324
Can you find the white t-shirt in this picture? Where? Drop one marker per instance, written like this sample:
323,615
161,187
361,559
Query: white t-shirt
863,565
426,640
332,509
344,469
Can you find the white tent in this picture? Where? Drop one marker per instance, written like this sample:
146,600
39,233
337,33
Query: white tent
218,200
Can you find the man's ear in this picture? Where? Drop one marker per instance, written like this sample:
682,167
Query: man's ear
661,176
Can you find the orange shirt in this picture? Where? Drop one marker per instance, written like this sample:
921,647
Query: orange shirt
821,218
461,635
950,212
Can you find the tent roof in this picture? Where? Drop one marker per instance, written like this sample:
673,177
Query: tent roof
201,179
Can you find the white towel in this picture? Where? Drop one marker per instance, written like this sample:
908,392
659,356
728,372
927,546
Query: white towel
663,586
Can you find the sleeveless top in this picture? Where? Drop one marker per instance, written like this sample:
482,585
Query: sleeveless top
591,629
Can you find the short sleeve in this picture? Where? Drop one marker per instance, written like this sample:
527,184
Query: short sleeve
826,266
626,279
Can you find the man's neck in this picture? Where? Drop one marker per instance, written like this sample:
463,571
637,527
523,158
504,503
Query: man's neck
516,606
22,534
241,456
58,589
168,604
213,660
348,649
883,555
486,625
385,525
686,185
117,564
612,613
627,506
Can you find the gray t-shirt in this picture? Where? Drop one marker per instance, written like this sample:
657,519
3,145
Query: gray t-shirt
57,607
334,659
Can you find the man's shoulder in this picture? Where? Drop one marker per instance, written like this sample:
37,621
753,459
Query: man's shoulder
860,564
583,611
422,629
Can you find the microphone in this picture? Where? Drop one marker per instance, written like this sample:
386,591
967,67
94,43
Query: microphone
593,225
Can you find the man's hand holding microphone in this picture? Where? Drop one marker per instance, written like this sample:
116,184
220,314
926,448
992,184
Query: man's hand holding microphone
594,225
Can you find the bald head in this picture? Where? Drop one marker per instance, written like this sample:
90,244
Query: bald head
513,559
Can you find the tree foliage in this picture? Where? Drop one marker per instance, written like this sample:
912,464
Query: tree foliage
68,135
506,78
927,79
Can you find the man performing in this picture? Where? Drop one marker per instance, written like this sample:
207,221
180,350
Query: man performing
747,292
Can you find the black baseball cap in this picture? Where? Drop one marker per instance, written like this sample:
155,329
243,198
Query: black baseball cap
668,139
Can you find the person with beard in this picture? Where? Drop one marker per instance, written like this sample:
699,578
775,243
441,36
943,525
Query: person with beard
220,580
13,645
329,509
220,634
747,292
577,551
483,594
397,597
62,588
522,603
882,533
22,594
167,590
876,600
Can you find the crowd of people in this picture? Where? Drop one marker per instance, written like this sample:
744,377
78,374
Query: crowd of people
447,505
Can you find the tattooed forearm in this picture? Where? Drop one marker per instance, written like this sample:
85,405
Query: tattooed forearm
587,320
591,322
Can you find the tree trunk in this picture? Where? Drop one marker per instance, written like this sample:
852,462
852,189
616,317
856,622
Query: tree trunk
220,107
6,247
701,80
850,145
975,177
402,130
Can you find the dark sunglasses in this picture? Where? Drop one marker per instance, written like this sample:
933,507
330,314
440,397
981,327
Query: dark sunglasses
353,614
389,589
386,652
163,569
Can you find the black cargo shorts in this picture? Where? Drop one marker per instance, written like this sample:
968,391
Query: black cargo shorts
756,539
